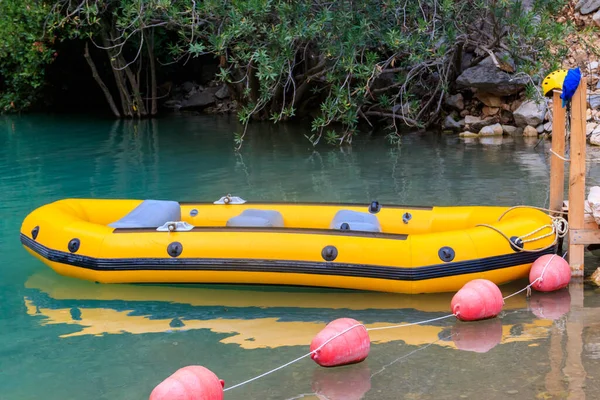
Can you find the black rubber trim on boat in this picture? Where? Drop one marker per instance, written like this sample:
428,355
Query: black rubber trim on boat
307,231
287,266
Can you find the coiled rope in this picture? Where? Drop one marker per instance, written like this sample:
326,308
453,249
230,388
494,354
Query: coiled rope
558,228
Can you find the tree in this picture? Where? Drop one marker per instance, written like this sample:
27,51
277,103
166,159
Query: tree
23,53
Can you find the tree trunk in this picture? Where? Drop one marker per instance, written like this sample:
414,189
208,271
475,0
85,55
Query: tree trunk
121,85
150,47
98,79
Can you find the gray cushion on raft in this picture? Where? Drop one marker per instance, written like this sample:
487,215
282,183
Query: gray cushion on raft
150,214
358,221
257,218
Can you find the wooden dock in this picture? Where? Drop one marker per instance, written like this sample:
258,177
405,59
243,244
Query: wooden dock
583,230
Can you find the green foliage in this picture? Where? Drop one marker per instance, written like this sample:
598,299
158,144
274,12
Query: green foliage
338,62
23,53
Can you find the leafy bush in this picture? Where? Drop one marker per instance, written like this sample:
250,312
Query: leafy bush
338,62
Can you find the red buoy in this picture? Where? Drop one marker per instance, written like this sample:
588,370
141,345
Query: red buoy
349,347
478,299
552,273
351,382
550,306
193,382
479,337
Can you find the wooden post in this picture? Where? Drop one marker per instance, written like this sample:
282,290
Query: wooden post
557,165
577,176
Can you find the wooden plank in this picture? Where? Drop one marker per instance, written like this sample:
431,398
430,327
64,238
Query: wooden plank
585,236
557,166
588,220
577,176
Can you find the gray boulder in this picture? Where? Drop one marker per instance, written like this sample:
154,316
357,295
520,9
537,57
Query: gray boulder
222,93
530,113
200,100
450,123
486,77
594,101
456,101
475,123
491,130
588,6
511,130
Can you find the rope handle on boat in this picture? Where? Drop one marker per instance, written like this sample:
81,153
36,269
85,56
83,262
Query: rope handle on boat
559,227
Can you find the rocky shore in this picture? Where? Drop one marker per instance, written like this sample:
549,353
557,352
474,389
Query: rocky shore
489,97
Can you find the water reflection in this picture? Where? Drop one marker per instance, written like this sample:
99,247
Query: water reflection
274,317
350,382
479,337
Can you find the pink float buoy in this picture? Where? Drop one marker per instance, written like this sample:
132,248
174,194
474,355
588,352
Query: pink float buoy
478,299
552,273
349,347
193,382
479,337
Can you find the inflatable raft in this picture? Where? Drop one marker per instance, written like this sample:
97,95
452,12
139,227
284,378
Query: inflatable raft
387,248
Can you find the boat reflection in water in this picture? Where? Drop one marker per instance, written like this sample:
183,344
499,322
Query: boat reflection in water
270,317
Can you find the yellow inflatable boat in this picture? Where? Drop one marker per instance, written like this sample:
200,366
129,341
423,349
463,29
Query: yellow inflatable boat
388,248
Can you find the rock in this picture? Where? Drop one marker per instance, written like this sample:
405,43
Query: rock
464,113
596,18
222,93
530,113
595,139
461,122
589,6
200,99
450,123
579,4
540,128
530,131
596,277
590,127
175,104
512,130
588,114
548,126
491,130
594,101
593,65
486,77
187,86
476,123
506,117
467,134
490,110
456,101
489,99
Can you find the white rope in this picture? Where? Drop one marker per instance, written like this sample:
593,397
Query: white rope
268,372
587,160
540,278
413,323
297,359
559,156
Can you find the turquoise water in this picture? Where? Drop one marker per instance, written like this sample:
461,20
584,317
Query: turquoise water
62,338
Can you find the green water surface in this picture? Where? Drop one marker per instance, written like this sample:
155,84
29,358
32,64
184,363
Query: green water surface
62,338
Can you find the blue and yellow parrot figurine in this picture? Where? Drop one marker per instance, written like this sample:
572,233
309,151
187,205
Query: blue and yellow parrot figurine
570,85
